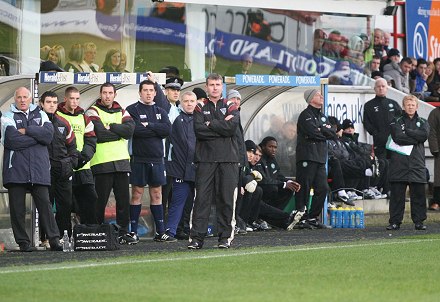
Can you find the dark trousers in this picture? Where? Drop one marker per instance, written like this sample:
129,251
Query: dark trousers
273,216
167,194
17,207
186,215
397,202
85,198
311,175
119,182
60,193
216,181
180,192
250,208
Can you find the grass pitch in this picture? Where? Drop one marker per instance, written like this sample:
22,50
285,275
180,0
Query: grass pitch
390,270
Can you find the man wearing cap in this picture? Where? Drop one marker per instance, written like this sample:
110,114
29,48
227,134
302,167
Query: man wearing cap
378,114
200,94
314,130
399,72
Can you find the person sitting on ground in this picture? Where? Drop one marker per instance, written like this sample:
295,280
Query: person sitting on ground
277,189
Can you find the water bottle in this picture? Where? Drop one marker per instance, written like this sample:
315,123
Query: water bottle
72,243
66,242
345,217
338,217
360,218
333,217
351,218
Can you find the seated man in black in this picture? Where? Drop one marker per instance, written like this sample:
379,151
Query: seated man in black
277,189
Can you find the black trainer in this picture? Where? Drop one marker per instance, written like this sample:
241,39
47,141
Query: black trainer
317,224
304,225
165,237
223,244
27,248
420,227
128,238
195,245
393,227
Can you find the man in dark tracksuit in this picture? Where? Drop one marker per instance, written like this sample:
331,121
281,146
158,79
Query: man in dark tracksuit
26,132
63,157
408,130
83,183
314,130
217,157
111,163
180,162
378,114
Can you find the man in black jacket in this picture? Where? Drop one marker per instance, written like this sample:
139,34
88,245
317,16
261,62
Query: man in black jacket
217,156
314,130
407,165
378,114
63,157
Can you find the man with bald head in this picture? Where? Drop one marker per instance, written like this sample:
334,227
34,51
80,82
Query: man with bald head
378,114
26,133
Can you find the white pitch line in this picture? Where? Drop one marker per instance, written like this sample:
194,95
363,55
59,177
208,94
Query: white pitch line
198,257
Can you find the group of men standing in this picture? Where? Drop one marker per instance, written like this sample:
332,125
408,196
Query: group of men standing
59,151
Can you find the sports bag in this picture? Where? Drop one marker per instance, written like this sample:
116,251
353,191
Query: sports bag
95,237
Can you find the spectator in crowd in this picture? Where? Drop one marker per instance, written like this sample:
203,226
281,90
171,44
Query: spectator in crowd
378,45
76,56
377,74
355,47
311,154
152,125
123,63
332,47
319,37
57,55
378,114
257,26
83,182
372,66
420,79
399,72
90,51
243,67
390,81
434,147
386,41
436,76
112,61
200,94
217,155
111,162
26,132
63,156
408,169
393,56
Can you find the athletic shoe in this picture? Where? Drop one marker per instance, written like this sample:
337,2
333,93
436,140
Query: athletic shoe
249,228
263,225
294,218
368,194
317,224
420,227
164,238
195,245
223,244
331,205
353,195
26,248
129,238
393,227
304,225
45,244
239,231
377,193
